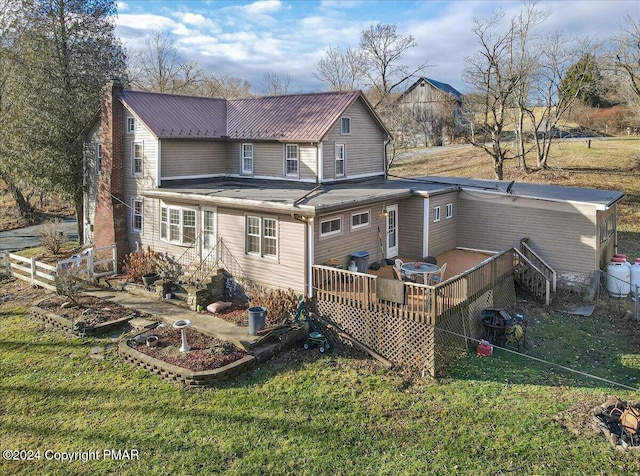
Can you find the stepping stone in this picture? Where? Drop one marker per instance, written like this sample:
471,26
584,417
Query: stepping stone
96,350
141,323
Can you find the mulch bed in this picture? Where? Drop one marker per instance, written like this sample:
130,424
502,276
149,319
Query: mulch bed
238,315
92,310
207,353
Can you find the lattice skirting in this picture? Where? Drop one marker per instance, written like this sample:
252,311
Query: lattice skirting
415,345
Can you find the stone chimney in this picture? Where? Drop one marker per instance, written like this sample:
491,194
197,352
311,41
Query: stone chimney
110,224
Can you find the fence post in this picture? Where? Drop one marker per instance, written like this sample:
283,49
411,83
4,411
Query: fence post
114,258
33,271
90,264
5,261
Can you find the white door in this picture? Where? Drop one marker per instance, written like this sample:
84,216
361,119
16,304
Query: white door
208,230
392,231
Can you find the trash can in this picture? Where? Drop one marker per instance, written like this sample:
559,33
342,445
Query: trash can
362,260
257,318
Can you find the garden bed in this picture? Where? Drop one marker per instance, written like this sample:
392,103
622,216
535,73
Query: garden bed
91,316
209,361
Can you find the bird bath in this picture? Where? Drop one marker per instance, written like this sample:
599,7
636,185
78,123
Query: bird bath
182,324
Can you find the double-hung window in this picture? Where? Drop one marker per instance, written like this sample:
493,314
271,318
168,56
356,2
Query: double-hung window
178,225
137,152
247,159
449,210
131,125
436,214
262,236
345,126
341,153
291,160
136,214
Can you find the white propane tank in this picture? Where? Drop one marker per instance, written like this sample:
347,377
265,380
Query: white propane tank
635,275
618,278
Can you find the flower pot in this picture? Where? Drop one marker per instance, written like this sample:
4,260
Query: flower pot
150,278
152,341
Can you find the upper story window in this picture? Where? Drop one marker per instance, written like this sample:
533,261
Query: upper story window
436,214
136,214
449,210
360,220
345,127
330,227
247,159
341,153
137,154
261,236
98,157
177,224
291,160
131,125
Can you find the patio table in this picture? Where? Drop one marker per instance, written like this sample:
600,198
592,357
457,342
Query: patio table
425,269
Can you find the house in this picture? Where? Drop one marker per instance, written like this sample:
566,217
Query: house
285,183
432,112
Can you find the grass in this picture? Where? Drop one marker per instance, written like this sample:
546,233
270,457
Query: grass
306,413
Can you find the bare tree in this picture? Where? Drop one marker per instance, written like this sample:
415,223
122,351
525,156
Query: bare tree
627,55
158,67
225,86
494,77
383,49
342,69
276,84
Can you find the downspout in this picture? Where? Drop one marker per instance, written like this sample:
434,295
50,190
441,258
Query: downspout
308,252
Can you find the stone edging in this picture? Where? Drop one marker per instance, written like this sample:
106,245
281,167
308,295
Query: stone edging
173,373
68,326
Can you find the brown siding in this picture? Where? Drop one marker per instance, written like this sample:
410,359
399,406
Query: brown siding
566,240
364,146
443,234
342,245
193,158
411,227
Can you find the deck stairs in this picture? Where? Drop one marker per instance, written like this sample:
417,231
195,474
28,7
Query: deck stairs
532,272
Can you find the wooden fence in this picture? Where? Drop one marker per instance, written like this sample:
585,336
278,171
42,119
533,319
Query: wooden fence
92,264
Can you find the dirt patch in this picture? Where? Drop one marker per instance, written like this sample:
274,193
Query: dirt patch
91,310
207,353
238,315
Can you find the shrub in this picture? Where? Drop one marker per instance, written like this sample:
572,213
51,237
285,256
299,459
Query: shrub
140,262
280,304
52,236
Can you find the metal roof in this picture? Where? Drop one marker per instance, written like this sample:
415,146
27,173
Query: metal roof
444,87
297,117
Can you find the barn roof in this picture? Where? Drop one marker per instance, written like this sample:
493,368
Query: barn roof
296,117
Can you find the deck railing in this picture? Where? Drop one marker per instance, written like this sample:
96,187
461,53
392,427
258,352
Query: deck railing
539,263
532,277
423,303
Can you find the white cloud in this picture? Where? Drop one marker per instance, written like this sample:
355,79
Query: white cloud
262,7
122,6
194,19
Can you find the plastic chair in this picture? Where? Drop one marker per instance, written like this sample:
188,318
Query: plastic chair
439,276
398,274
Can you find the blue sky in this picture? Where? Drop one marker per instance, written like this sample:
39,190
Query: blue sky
247,39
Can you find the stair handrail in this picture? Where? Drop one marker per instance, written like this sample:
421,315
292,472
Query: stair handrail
551,273
186,263
223,248
204,264
530,264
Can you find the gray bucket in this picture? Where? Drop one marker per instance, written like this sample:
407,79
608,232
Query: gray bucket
257,319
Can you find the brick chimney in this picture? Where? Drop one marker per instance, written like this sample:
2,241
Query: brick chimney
110,223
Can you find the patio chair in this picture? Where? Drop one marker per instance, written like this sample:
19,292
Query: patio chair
439,276
430,260
397,273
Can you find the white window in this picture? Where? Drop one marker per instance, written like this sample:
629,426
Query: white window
131,125
136,214
345,126
98,157
340,156
291,160
178,225
330,227
247,159
137,152
360,220
436,214
449,211
262,236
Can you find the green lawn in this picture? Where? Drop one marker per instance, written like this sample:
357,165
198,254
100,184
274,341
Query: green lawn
307,413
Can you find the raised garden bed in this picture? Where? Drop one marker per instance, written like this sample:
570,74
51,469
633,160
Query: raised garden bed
209,361
93,316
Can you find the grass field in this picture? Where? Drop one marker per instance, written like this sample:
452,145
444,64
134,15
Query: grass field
303,413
